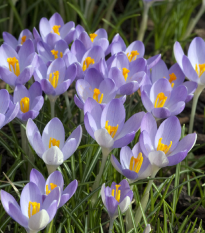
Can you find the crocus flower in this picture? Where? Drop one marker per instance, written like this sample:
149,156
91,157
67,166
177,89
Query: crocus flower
34,213
8,110
135,50
108,126
54,29
175,76
30,101
13,42
134,165
18,68
116,195
94,86
54,180
192,65
51,146
163,146
162,100
147,229
55,79
127,76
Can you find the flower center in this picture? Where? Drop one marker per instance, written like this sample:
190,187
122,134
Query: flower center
172,79
163,147
52,187
55,53
112,130
96,94
33,208
125,72
116,193
54,142
56,29
136,163
87,62
24,103
132,55
92,36
53,79
160,100
200,69
14,63
23,39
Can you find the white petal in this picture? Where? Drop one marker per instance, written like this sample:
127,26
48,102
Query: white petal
158,158
147,229
124,205
53,156
103,193
38,221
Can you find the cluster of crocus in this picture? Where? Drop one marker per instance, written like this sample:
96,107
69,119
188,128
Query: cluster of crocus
63,53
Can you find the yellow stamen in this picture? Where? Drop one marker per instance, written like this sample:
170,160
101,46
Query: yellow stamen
163,147
61,54
23,39
132,55
87,62
24,104
136,163
116,193
33,208
54,142
200,69
52,187
172,79
160,100
15,65
56,29
55,53
92,36
112,130
53,79
96,94
125,72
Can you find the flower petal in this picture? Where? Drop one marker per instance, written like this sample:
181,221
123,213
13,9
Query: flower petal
38,221
37,178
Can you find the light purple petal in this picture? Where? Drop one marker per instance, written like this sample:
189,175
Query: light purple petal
37,178
116,164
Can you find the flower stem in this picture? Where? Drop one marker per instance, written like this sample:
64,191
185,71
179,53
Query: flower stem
111,225
98,177
67,104
52,103
194,104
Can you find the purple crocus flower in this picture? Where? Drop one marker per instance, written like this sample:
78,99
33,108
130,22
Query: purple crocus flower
13,42
108,126
30,101
162,100
135,50
54,180
134,165
34,212
54,29
8,110
127,76
162,146
175,76
18,68
55,79
116,195
94,86
51,146
192,65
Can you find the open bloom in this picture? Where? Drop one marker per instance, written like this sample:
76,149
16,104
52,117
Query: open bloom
192,65
54,180
30,101
108,126
118,194
134,165
175,76
55,79
18,68
34,212
13,42
94,86
162,146
54,29
162,100
51,146
8,110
